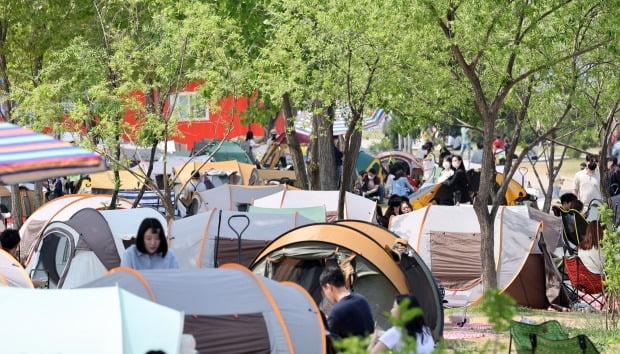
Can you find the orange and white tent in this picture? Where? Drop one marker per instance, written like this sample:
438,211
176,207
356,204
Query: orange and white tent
230,309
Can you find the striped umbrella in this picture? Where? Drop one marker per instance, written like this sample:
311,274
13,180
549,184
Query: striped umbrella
26,156
303,121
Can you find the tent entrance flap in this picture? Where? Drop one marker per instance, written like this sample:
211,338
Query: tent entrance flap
55,258
212,333
458,268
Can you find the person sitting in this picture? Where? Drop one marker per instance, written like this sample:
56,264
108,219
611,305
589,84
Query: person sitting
445,194
372,186
151,248
400,184
405,207
458,181
9,240
498,145
351,314
588,249
476,157
359,183
392,339
194,185
566,203
393,209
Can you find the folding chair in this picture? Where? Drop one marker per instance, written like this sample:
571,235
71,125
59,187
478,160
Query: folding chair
520,333
584,282
580,344
574,226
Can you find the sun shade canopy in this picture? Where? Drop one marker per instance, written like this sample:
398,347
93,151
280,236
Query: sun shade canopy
26,156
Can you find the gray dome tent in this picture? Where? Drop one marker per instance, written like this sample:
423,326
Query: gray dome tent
230,309
378,264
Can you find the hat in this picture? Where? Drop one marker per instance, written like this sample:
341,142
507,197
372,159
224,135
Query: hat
273,132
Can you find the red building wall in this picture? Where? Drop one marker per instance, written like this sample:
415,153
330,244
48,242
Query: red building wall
224,122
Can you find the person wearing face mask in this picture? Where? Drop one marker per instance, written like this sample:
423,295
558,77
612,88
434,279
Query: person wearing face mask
445,194
587,182
458,182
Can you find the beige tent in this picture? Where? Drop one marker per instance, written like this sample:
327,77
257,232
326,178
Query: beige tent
105,180
232,172
230,309
221,236
355,208
12,273
60,209
448,240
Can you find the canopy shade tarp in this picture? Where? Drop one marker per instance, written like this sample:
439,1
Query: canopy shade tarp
99,320
26,156
303,120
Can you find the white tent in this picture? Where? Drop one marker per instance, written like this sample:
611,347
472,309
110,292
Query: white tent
234,197
60,209
356,207
447,238
83,248
196,243
98,320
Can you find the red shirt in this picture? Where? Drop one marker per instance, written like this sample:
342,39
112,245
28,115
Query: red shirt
498,144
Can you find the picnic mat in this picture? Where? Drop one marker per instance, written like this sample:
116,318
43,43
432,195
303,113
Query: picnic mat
468,331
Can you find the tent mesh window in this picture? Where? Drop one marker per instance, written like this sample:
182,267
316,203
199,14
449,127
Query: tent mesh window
212,333
457,268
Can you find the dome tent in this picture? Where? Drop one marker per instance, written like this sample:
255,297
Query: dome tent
86,246
378,265
447,238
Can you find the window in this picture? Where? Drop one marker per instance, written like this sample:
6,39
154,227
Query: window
188,106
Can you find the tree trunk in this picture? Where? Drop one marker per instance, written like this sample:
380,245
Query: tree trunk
39,196
117,178
327,163
313,167
16,206
485,217
352,145
293,144
604,136
150,108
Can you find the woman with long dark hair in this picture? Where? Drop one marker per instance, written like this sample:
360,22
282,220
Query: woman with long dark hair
151,248
589,251
392,339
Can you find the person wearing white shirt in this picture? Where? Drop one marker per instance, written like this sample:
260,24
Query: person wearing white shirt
393,338
587,183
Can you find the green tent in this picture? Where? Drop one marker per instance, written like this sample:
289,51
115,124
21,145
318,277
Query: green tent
228,151
316,213
366,161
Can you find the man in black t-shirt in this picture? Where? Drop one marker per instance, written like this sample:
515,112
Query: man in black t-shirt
351,314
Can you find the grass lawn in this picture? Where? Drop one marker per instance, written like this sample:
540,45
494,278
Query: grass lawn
591,324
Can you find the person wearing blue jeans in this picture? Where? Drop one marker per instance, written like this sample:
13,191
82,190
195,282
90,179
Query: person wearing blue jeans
465,142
